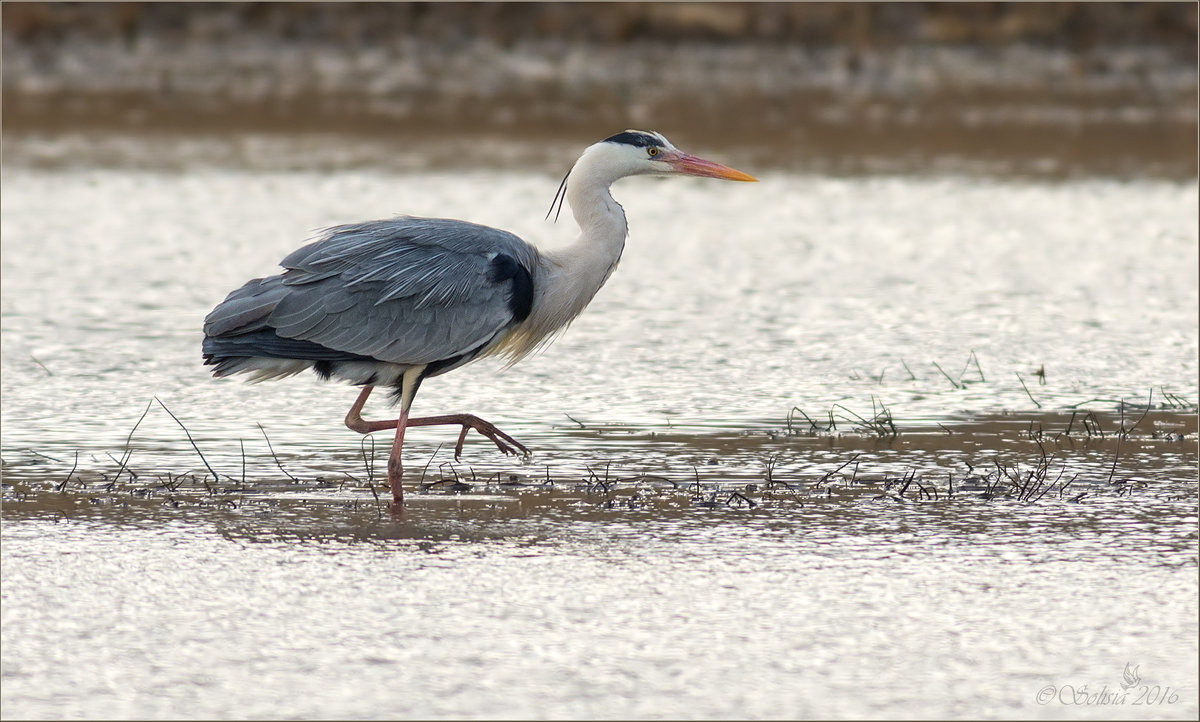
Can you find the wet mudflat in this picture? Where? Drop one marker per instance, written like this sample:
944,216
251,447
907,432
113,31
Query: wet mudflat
909,445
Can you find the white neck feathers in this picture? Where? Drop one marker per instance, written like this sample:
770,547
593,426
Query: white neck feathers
567,278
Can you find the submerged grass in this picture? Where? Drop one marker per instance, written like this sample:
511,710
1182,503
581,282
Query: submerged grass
1028,465
880,422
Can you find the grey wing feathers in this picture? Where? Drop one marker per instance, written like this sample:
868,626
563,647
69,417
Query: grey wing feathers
406,291
246,309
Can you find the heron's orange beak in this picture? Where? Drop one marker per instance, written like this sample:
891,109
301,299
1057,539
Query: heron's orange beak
691,165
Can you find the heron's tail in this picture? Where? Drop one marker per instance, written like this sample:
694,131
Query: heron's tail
238,337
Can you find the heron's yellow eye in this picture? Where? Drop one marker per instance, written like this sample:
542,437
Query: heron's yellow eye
652,152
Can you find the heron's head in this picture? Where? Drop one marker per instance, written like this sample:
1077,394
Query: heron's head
640,152
637,152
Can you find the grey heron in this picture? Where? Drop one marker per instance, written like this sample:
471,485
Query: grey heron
394,302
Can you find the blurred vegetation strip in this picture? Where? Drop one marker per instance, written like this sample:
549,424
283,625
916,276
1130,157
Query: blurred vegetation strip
1044,88
1077,25
593,52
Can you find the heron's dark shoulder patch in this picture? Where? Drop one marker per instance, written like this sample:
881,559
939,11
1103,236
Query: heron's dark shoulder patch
506,269
636,138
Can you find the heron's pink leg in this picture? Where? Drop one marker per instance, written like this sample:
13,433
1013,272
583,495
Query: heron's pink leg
468,422
395,468
504,442
355,421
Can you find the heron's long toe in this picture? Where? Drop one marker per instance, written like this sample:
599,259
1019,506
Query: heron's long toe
505,443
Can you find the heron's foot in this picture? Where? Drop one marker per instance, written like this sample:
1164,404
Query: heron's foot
504,442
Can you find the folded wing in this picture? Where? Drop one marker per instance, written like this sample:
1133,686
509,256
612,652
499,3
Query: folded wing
403,291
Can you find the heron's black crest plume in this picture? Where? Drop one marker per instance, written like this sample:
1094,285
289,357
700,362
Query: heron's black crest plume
559,197
636,138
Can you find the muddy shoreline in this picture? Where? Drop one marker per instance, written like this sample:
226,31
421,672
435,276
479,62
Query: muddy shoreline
1083,456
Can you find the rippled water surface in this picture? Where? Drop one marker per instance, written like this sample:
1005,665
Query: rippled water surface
733,302
466,609
784,465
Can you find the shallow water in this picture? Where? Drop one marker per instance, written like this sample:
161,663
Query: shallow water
733,303
835,609
615,574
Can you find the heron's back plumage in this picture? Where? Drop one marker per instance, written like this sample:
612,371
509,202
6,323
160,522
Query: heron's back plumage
395,293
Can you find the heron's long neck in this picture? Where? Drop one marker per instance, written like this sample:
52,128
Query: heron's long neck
577,271
602,231
568,277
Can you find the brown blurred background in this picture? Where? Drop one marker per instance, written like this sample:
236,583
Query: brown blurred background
1043,88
